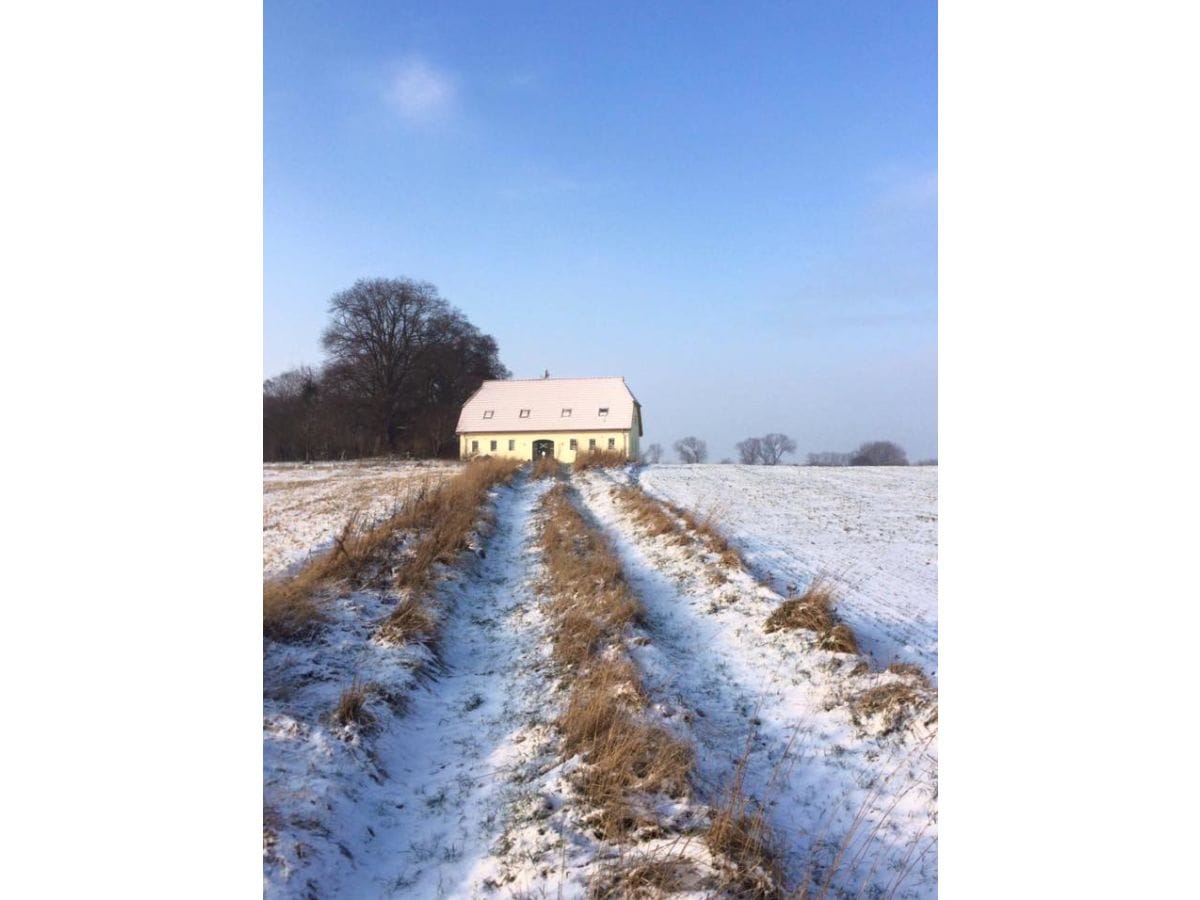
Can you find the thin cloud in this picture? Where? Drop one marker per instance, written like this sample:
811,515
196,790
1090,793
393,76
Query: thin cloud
421,94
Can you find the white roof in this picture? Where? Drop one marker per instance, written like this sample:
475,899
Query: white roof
498,406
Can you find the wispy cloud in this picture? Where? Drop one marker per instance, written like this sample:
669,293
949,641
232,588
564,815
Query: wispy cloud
420,93
907,188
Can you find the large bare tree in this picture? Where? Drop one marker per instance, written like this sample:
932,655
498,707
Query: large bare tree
406,358
750,451
774,446
691,450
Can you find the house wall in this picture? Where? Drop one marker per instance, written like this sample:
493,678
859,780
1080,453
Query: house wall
626,441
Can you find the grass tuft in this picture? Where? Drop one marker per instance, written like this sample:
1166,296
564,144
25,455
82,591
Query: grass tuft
352,707
599,459
813,611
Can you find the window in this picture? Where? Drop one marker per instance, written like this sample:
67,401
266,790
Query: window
493,445
612,443
488,413
512,445
474,446
591,443
604,410
524,414
566,413
574,444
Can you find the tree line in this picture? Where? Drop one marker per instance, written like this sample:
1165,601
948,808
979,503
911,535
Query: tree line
399,364
770,449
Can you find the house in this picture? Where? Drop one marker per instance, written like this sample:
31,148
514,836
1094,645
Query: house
560,417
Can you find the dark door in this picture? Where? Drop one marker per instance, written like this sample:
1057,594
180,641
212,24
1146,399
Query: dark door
543,448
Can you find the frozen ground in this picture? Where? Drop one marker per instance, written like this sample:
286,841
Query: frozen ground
872,530
823,779
304,506
459,789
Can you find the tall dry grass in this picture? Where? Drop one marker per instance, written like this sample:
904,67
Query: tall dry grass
814,611
659,519
630,758
547,467
445,520
599,459
446,511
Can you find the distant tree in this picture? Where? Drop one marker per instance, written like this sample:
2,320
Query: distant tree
879,453
773,446
691,450
652,455
926,462
829,458
726,461
750,451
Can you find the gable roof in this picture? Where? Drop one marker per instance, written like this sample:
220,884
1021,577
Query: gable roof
545,399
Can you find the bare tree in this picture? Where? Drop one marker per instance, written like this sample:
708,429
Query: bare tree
652,455
403,353
750,451
829,458
691,450
879,453
774,446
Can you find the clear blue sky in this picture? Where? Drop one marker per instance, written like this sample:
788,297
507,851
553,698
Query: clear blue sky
733,205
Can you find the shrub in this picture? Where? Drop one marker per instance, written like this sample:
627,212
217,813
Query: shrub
879,453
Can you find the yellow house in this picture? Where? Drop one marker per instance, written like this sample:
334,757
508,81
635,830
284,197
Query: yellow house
560,417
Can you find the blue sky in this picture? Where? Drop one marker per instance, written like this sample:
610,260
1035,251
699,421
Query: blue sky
732,205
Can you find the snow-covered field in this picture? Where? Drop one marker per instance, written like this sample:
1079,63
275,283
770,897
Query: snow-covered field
871,530
305,506
460,790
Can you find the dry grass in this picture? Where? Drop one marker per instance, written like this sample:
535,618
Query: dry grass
648,513
740,835
352,707
599,459
592,602
604,721
911,670
409,622
644,875
629,757
446,511
660,519
894,703
547,467
813,611
445,518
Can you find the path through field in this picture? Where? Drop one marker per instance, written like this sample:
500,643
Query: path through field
457,761
809,764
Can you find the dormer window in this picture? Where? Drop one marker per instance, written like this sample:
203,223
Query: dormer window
566,413
604,410
488,413
524,414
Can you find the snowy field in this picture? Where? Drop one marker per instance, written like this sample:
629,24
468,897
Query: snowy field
873,531
304,506
459,789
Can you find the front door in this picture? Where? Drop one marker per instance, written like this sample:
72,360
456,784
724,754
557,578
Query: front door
542,448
